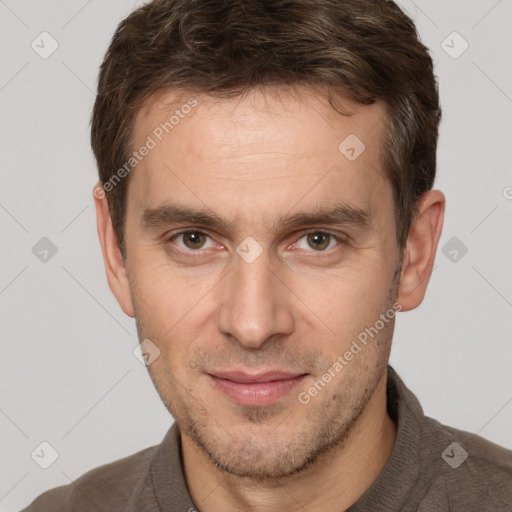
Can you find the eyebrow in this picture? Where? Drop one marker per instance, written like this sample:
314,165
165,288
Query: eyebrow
341,214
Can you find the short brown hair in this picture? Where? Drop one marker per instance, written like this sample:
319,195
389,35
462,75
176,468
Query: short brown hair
367,49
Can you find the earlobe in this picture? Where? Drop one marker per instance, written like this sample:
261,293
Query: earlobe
421,249
112,258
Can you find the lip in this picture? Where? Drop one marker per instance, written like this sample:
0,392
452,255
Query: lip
255,389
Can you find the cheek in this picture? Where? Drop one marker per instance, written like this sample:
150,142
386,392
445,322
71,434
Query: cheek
345,297
172,312
160,294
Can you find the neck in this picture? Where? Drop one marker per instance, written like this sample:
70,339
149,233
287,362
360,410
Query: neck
335,481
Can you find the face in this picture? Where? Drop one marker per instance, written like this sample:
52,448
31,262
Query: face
257,253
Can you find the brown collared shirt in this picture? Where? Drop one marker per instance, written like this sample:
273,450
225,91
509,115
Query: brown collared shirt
432,468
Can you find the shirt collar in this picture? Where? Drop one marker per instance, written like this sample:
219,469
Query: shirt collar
398,478
388,492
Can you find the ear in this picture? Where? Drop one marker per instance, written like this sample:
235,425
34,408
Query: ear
114,264
421,249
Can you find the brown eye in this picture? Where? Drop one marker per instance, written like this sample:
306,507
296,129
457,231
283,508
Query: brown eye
318,241
191,239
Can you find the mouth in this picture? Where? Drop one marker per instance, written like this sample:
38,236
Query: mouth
256,390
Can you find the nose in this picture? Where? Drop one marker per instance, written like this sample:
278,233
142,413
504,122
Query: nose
254,304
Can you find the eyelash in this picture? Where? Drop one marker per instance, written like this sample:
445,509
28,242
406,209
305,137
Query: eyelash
190,253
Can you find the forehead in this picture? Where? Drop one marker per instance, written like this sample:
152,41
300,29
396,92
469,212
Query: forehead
265,149
255,116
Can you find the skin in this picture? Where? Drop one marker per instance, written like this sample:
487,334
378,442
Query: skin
296,307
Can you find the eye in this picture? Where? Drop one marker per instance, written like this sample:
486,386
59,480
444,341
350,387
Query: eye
191,240
318,241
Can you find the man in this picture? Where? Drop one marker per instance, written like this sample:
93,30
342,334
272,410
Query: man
265,208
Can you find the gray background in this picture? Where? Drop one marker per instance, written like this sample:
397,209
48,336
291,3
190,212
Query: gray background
68,374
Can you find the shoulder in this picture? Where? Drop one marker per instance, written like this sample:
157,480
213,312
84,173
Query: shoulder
110,485
485,456
489,464
473,472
